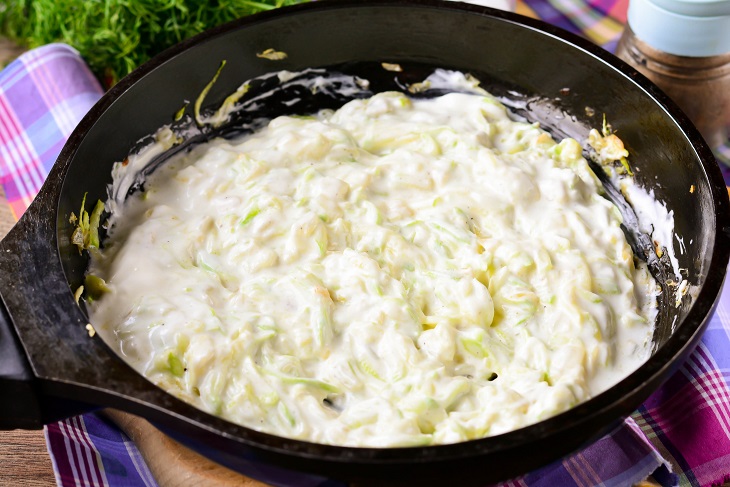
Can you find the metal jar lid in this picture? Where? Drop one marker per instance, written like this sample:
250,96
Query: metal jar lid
695,28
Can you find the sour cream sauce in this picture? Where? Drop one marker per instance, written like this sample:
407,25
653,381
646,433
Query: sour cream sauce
397,272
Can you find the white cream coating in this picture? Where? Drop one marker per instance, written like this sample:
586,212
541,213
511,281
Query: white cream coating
398,272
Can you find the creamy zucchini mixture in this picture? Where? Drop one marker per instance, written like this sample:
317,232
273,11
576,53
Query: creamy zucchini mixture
397,272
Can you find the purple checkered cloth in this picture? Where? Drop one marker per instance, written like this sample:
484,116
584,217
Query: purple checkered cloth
43,96
681,435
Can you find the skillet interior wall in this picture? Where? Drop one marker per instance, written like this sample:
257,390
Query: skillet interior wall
506,56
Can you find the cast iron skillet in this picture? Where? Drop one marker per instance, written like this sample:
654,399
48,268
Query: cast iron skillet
50,368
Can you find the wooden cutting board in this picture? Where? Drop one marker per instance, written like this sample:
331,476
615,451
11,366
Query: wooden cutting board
173,464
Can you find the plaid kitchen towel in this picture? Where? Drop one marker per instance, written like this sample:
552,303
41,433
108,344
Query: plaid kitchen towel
600,21
685,425
88,451
43,95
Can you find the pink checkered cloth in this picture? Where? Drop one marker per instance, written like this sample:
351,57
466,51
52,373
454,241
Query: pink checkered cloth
43,96
684,427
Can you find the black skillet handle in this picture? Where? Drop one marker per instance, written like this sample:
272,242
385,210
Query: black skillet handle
24,403
19,401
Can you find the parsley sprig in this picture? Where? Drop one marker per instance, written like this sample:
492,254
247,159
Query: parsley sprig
116,36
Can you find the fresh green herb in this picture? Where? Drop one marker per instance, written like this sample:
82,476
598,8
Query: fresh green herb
175,365
289,379
221,115
94,225
606,128
94,287
116,36
201,97
250,216
86,233
78,237
609,147
179,114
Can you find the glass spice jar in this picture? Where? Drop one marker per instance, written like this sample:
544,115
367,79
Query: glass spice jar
683,46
